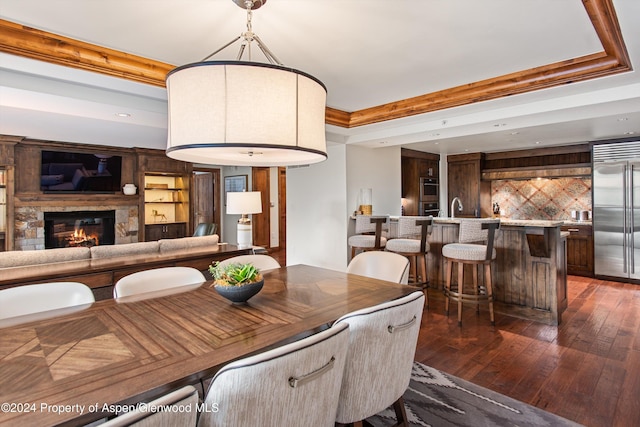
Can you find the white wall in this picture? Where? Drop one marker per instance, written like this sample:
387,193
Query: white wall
378,169
317,212
321,197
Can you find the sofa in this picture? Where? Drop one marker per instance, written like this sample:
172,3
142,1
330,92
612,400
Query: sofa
100,267
62,177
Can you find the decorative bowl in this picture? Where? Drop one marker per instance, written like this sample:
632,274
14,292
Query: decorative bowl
239,294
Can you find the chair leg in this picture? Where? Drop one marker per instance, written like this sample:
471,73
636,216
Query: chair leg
489,287
476,287
424,279
448,285
460,291
401,413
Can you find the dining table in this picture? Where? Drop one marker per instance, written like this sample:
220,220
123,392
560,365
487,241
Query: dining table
77,365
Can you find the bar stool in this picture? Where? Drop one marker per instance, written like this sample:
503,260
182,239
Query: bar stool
412,243
369,235
468,251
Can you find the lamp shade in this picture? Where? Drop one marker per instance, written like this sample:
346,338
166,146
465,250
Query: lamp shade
244,202
245,114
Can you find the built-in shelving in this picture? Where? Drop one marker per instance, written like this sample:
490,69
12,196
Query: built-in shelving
166,205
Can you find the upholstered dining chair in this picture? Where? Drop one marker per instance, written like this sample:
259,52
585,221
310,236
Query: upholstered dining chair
382,346
412,243
205,229
157,279
259,261
297,384
29,299
381,265
370,234
178,408
475,247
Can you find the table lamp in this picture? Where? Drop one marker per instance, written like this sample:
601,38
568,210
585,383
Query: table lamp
244,203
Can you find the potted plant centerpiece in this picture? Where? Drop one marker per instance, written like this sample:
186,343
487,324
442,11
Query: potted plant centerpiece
236,282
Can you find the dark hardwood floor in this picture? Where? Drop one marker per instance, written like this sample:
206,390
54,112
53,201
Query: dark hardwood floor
587,369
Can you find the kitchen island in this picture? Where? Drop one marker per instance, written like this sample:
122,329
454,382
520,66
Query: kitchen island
529,273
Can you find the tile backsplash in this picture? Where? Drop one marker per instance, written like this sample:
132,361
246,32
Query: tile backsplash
542,199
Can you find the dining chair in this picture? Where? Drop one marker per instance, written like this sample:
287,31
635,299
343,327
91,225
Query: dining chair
176,409
259,261
370,234
381,265
412,243
157,279
475,247
296,384
205,229
29,299
382,346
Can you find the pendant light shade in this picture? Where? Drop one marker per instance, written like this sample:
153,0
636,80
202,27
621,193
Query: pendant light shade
246,114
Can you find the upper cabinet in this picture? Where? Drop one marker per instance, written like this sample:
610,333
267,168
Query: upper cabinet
464,173
416,165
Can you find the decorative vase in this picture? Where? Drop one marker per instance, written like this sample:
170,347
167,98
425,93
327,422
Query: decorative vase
239,294
129,189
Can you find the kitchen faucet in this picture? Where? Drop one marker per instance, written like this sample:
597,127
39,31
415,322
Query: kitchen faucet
453,204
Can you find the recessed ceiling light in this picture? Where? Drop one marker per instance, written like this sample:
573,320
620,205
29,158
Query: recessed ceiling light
123,114
537,142
434,134
623,119
514,133
629,133
436,143
498,125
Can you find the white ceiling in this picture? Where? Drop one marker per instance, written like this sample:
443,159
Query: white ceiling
367,53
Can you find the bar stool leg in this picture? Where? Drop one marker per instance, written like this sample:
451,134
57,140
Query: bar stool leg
489,287
424,279
448,286
460,291
476,287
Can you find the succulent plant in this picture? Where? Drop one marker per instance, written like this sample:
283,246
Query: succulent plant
234,274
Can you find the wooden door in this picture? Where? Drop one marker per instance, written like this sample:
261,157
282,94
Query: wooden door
261,222
206,196
282,207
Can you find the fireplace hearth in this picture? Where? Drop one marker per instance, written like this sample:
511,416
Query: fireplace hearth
79,228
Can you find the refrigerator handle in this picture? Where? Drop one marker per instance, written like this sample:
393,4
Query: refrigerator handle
631,250
625,207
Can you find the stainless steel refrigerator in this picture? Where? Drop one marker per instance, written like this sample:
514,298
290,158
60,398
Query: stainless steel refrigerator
616,209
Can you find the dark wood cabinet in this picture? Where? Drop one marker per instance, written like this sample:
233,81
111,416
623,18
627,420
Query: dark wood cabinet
464,181
164,231
579,250
416,165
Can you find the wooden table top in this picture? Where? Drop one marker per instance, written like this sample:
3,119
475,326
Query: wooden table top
126,350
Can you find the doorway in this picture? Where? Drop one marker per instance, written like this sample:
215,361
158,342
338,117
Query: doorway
206,197
262,223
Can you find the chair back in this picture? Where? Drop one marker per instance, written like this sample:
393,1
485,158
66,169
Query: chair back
205,229
415,227
178,408
381,265
261,262
29,299
157,279
370,224
297,384
480,231
382,346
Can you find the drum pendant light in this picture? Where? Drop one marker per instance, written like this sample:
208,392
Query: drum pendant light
245,113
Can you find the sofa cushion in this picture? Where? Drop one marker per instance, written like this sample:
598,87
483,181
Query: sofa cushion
127,249
186,243
46,180
38,257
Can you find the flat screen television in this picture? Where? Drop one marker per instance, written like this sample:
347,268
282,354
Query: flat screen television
71,172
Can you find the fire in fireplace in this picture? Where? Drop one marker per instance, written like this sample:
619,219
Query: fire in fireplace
80,228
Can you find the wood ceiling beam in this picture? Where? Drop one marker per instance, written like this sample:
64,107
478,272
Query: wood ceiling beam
36,44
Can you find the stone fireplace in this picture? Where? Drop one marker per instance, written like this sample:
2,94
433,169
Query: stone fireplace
79,228
30,223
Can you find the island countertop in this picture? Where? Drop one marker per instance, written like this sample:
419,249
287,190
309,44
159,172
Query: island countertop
509,222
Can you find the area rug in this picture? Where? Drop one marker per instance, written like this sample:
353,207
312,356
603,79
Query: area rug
436,399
